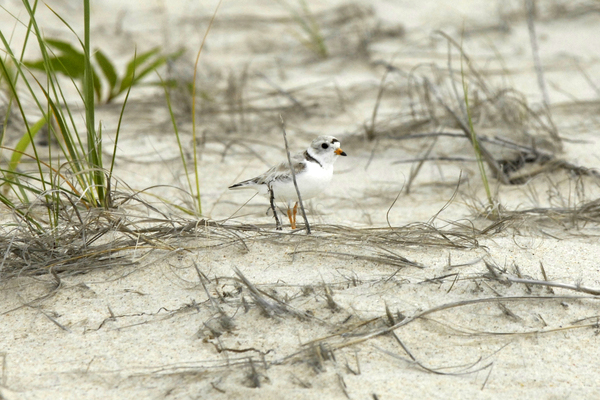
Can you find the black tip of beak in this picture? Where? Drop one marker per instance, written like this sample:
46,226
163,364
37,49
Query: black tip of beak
343,153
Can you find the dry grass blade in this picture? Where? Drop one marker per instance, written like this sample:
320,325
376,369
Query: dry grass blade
67,250
408,235
353,337
415,171
503,276
92,239
269,309
487,156
88,239
577,288
393,260
588,212
286,94
463,370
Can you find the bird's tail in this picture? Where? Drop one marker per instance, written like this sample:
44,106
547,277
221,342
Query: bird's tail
242,185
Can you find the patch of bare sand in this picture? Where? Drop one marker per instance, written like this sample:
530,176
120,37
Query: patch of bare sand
310,317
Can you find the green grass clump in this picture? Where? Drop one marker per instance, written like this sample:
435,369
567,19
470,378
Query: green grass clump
75,167
86,180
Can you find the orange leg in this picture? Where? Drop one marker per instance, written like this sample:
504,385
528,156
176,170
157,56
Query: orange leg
292,222
295,212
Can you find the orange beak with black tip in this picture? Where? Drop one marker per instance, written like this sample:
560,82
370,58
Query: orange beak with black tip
340,152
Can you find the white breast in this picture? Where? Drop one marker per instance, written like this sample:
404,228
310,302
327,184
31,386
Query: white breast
311,182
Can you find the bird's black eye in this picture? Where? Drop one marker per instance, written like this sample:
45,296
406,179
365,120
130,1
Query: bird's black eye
324,145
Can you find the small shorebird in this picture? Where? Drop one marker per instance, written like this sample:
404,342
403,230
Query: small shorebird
313,169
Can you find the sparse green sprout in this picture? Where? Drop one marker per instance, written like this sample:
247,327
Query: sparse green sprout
476,148
310,36
70,61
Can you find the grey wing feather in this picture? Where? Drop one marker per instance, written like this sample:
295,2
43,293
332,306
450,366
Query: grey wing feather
279,172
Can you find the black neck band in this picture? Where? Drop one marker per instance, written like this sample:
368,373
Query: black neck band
308,157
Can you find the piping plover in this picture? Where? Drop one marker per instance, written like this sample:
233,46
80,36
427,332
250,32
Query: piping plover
313,168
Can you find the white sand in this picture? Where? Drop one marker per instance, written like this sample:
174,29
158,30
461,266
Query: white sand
145,331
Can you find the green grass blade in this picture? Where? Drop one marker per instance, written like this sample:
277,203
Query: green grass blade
71,150
176,130
108,70
68,65
97,85
41,179
194,133
23,143
476,148
156,64
68,61
114,154
136,62
13,91
64,47
94,140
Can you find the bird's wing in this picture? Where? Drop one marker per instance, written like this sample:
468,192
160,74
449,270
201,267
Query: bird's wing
279,172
